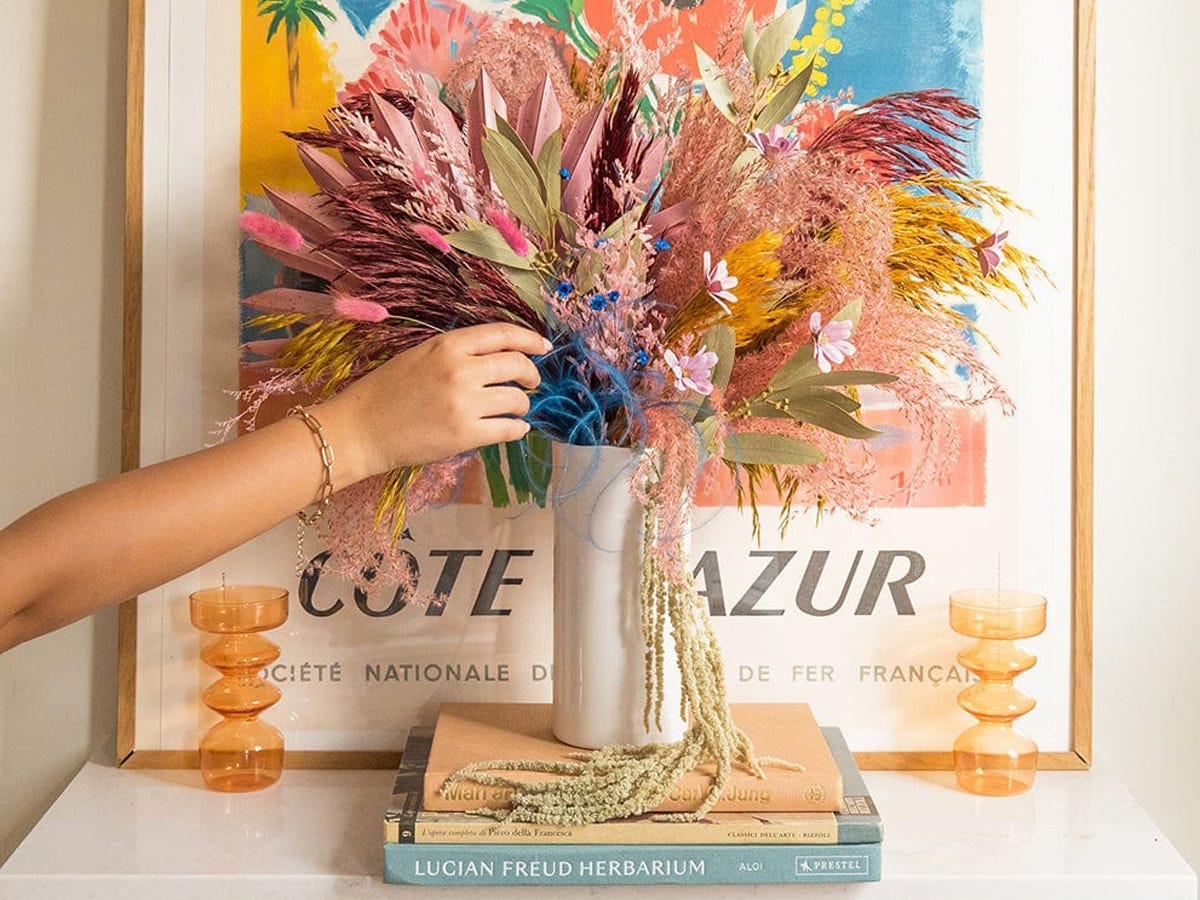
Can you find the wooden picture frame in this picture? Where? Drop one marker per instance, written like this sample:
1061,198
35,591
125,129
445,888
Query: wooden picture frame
1080,753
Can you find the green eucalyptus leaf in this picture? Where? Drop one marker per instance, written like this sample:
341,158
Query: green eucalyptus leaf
570,227
823,414
850,377
517,179
549,162
487,243
775,40
528,285
761,409
506,131
748,157
803,391
717,86
780,106
588,272
844,402
851,312
720,340
626,223
749,36
800,365
707,430
748,447
783,404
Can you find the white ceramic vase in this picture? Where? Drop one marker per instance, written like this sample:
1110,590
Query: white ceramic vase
599,654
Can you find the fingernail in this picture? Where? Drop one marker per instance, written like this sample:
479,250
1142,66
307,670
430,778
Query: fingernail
547,345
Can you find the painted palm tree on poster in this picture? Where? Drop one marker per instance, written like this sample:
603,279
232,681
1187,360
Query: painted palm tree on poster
292,14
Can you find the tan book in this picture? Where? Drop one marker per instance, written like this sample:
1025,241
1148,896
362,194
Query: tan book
716,828
475,732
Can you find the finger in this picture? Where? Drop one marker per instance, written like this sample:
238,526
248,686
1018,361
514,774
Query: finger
479,340
500,431
504,401
509,368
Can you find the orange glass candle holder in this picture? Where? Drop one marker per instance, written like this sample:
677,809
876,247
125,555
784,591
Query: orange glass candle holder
241,752
994,758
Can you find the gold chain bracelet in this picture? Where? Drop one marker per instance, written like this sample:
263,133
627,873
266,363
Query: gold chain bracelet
304,520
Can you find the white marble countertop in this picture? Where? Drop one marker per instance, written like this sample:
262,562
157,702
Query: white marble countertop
159,834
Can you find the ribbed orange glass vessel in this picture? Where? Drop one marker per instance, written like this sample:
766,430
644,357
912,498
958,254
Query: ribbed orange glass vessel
241,752
994,758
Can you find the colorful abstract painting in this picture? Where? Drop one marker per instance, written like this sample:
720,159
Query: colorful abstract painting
844,614
298,54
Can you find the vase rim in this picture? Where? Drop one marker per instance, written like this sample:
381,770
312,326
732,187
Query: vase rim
238,595
992,599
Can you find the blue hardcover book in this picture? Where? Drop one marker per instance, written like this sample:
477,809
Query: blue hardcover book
500,864
858,820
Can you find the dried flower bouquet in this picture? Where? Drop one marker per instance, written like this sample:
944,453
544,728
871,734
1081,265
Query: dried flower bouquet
721,269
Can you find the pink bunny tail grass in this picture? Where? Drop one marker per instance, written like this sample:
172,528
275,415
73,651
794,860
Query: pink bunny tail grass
270,231
508,230
430,235
360,310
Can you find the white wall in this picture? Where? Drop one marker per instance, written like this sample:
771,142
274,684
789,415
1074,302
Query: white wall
1147,602
61,203
60,258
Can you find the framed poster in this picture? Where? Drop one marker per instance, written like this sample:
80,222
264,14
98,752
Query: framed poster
848,616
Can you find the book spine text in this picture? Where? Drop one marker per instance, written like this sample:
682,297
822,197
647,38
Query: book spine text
433,864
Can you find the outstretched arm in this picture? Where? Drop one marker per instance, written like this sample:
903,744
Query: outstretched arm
117,538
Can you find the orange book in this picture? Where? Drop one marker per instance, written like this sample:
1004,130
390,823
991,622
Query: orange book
476,732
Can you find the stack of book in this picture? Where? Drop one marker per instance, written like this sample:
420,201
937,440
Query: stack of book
819,825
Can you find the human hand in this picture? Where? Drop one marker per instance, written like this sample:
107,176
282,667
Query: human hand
450,394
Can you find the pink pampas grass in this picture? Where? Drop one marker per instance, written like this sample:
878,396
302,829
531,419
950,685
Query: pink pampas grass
270,231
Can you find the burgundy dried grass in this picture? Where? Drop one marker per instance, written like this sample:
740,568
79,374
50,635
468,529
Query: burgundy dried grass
903,135
617,156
